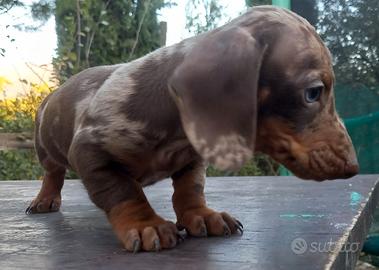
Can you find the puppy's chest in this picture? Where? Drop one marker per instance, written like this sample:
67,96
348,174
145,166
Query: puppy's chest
164,161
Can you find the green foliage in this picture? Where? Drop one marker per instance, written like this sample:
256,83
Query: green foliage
19,164
203,15
92,32
17,115
23,164
20,123
42,10
350,29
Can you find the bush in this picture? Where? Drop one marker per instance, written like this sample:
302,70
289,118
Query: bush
19,164
17,115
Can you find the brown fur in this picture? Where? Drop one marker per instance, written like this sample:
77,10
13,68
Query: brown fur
138,227
215,98
193,214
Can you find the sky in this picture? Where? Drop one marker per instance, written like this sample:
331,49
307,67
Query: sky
31,50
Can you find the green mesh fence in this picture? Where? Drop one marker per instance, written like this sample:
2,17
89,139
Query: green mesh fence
358,105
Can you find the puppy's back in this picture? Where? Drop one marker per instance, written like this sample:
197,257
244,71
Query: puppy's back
58,114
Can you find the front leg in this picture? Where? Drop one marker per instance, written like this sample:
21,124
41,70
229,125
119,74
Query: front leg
190,205
139,227
112,188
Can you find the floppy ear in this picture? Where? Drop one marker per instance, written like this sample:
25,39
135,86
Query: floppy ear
215,89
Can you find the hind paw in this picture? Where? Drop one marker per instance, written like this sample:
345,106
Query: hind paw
44,205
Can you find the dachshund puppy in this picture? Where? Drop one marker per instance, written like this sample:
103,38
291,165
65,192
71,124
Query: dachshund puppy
263,82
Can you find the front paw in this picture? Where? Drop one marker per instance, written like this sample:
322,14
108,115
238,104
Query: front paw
149,235
203,221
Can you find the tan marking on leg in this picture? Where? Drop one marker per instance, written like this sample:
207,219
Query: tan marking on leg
139,227
49,197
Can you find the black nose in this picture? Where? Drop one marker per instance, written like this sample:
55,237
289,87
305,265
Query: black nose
351,168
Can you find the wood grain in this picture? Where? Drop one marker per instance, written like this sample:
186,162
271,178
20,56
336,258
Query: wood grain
274,211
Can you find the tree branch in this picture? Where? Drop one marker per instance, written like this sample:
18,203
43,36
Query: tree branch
78,32
6,7
147,3
36,73
90,40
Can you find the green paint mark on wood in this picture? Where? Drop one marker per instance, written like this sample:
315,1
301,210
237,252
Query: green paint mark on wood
302,215
355,198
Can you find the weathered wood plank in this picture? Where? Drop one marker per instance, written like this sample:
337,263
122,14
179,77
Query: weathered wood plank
274,211
22,140
163,33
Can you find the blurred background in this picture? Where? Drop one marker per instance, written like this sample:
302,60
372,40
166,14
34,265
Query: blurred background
44,42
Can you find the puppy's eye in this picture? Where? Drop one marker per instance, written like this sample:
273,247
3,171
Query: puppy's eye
313,94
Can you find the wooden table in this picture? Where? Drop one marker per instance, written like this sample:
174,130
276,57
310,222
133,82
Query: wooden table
289,224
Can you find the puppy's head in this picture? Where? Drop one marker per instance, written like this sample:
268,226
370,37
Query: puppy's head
264,82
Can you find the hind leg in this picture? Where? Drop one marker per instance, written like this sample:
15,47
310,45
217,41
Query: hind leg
112,187
49,197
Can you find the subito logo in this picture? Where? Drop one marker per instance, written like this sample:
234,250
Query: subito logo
299,246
